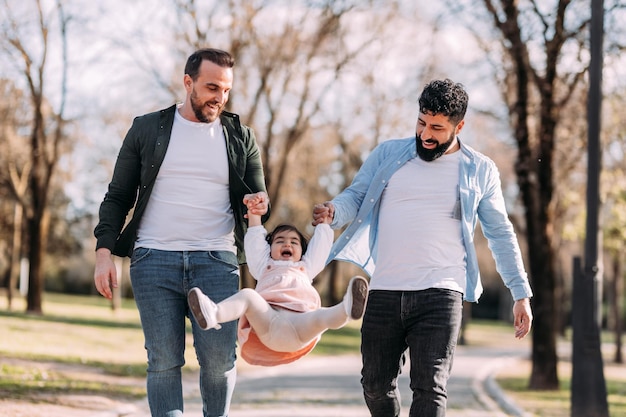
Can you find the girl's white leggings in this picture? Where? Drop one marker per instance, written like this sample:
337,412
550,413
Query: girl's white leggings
279,329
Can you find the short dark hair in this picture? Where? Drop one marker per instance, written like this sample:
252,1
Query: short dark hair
304,242
444,97
216,56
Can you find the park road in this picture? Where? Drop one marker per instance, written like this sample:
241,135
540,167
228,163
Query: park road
313,386
329,386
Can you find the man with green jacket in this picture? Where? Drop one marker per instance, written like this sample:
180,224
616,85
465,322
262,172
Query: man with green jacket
185,171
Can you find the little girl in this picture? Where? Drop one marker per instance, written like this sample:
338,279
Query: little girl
282,319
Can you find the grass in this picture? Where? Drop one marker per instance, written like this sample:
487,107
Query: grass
83,331
514,380
76,332
21,382
79,332
557,403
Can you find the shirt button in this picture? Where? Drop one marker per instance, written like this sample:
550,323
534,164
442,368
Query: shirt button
371,200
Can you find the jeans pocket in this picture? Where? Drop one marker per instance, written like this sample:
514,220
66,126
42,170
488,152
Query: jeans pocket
225,257
139,254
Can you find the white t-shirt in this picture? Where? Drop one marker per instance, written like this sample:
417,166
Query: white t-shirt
420,244
189,208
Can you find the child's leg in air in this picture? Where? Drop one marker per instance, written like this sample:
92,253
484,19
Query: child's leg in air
307,326
246,302
273,327
280,330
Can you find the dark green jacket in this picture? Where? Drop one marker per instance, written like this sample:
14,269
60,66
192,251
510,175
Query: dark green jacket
138,163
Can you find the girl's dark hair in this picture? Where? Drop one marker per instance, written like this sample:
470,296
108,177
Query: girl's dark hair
304,242
216,56
444,97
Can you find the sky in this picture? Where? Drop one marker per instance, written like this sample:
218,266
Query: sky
112,43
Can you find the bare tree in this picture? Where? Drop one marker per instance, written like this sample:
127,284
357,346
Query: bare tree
540,62
313,79
26,39
14,172
287,70
291,62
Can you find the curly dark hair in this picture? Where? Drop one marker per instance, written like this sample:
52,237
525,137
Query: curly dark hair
304,242
444,97
216,56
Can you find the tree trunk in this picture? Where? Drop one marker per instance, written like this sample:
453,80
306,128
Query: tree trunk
543,258
533,170
16,253
544,358
38,228
335,294
616,305
35,277
534,176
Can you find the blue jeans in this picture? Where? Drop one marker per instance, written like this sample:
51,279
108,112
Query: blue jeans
161,280
427,323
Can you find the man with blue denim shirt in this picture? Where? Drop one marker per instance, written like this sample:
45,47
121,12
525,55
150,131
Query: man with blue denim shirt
412,208
185,171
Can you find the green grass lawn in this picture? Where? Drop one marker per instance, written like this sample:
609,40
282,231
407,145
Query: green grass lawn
83,331
557,403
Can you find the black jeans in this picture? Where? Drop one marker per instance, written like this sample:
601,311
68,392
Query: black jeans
426,323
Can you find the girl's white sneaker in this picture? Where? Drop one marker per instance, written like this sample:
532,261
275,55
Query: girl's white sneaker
203,309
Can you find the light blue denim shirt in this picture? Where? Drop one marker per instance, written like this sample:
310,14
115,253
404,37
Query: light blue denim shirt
481,199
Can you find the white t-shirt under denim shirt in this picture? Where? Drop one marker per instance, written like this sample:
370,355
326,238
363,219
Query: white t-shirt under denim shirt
480,197
420,243
189,208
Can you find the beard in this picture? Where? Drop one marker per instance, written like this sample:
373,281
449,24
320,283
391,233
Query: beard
429,155
200,108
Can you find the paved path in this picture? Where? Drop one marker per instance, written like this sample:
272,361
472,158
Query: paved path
329,386
311,387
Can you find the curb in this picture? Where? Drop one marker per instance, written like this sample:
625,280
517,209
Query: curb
489,393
